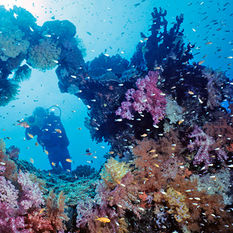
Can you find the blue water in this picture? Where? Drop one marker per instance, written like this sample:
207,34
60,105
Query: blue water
111,27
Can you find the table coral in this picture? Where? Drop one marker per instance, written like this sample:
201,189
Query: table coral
12,42
44,55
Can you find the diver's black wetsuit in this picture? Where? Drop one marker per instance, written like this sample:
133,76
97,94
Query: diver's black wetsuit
52,137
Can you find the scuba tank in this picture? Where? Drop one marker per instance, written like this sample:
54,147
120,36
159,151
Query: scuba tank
54,110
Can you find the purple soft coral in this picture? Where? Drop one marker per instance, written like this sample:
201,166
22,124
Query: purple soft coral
17,199
147,98
203,143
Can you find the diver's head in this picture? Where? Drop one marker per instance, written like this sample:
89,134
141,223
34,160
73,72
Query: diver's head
40,112
38,117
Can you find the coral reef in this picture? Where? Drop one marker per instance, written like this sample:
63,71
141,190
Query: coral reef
168,169
43,48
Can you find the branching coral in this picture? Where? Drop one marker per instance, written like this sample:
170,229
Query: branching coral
203,143
55,207
9,89
22,202
174,113
113,172
221,131
22,73
157,161
111,203
202,211
16,202
176,202
147,98
217,183
44,55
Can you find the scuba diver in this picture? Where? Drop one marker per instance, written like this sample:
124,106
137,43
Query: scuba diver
51,136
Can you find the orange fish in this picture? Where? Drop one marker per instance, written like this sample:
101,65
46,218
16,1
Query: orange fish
201,62
103,219
30,135
46,152
69,160
58,130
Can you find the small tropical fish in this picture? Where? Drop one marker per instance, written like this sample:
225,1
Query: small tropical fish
24,124
191,93
111,152
58,130
103,219
152,151
36,144
79,128
201,62
32,160
69,160
46,152
30,135
144,135
180,122
209,43
54,164
118,120
42,210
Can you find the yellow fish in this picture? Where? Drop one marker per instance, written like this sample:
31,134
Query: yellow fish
54,164
111,152
30,135
180,122
69,160
42,210
201,62
46,152
58,130
103,219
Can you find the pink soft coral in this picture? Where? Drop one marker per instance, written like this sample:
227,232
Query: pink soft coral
16,201
203,143
147,98
31,197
